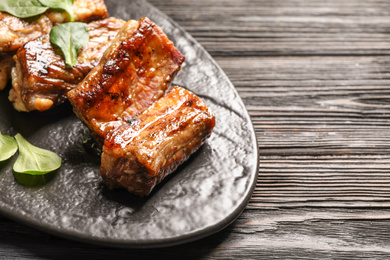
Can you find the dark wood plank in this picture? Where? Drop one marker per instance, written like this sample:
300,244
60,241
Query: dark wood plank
268,234
285,28
316,90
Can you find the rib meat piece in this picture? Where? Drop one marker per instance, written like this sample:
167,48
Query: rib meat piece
15,31
133,73
139,154
6,64
40,79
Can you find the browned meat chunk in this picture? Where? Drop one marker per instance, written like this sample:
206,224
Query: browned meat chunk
133,73
16,31
6,64
41,79
138,155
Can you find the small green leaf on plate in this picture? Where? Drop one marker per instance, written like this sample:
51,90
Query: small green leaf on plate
29,180
66,5
22,8
70,37
33,160
8,147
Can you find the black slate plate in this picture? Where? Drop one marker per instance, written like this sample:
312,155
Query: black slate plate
203,196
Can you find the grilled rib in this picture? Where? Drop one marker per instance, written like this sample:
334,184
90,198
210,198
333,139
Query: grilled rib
138,155
40,79
133,73
15,31
6,64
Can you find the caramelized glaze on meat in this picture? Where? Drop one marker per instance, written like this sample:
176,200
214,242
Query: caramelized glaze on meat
134,72
41,79
6,64
16,31
138,155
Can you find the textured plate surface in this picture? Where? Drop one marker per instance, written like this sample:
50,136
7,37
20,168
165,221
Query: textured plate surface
203,196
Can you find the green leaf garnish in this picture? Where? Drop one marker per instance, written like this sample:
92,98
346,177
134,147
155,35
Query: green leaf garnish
29,180
33,160
22,8
66,5
8,147
70,37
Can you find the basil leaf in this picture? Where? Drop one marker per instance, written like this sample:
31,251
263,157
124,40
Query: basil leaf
33,160
70,37
22,8
66,5
8,147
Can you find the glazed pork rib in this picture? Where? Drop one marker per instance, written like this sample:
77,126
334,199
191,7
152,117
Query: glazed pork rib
133,73
139,154
6,64
147,134
40,79
15,31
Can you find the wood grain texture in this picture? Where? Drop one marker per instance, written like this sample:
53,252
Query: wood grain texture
314,76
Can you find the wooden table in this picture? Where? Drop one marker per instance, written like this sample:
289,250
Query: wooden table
314,76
